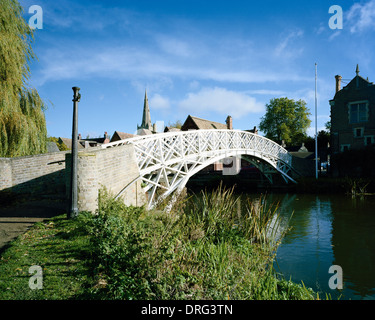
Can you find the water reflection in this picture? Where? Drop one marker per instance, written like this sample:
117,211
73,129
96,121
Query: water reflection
353,240
328,230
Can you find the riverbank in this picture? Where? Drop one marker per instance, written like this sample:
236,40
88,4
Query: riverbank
305,185
198,251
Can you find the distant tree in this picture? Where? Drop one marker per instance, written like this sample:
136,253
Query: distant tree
323,140
328,126
287,120
23,128
177,124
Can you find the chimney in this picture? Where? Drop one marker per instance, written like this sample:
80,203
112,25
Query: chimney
229,123
106,137
338,83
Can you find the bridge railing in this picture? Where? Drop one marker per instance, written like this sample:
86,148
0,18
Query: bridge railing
164,146
167,160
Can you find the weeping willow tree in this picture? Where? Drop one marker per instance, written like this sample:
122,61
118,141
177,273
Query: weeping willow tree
22,122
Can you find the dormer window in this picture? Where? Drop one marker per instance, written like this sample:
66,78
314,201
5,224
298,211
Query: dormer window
358,112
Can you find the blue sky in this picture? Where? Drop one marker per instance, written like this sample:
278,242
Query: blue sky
209,59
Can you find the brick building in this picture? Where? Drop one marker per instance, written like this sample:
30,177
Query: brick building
352,115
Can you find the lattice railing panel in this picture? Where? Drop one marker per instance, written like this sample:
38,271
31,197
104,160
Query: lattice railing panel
167,160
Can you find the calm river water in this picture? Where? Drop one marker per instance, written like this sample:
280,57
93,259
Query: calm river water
328,230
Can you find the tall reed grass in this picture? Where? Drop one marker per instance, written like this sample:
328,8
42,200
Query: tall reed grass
203,248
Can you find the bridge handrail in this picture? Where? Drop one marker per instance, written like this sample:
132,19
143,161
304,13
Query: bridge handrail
282,153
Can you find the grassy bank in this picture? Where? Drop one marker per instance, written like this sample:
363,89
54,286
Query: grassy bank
62,248
202,249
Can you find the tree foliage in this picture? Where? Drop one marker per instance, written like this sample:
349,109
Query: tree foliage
177,124
286,119
22,122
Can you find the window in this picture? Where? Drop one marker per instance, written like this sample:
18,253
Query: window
358,112
369,140
358,132
345,147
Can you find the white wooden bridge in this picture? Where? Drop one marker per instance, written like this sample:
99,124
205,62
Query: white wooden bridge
166,161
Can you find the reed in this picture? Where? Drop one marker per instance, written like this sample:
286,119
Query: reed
204,248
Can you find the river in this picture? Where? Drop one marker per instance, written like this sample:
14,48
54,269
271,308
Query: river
328,230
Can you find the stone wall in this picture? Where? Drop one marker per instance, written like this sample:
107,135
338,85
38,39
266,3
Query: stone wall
304,166
38,174
113,168
49,174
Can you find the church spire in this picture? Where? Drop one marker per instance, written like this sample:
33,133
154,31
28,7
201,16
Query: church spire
146,119
357,70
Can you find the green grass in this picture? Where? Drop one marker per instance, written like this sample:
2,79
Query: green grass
61,248
202,249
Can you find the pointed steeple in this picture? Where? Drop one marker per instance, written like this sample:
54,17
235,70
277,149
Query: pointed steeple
146,119
357,70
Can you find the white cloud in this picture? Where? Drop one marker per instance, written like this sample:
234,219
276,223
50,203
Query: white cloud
222,101
158,102
267,92
174,46
132,63
361,16
284,47
194,85
334,35
322,27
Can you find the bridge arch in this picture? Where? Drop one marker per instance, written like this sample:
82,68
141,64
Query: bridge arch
166,161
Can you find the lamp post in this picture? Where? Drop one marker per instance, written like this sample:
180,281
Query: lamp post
73,210
316,125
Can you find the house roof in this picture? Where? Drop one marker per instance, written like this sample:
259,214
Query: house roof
358,82
171,129
205,124
97,140
122,135
52,147
68,143
303,154
143,132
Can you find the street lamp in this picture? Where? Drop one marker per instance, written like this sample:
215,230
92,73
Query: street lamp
73,210
316,125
